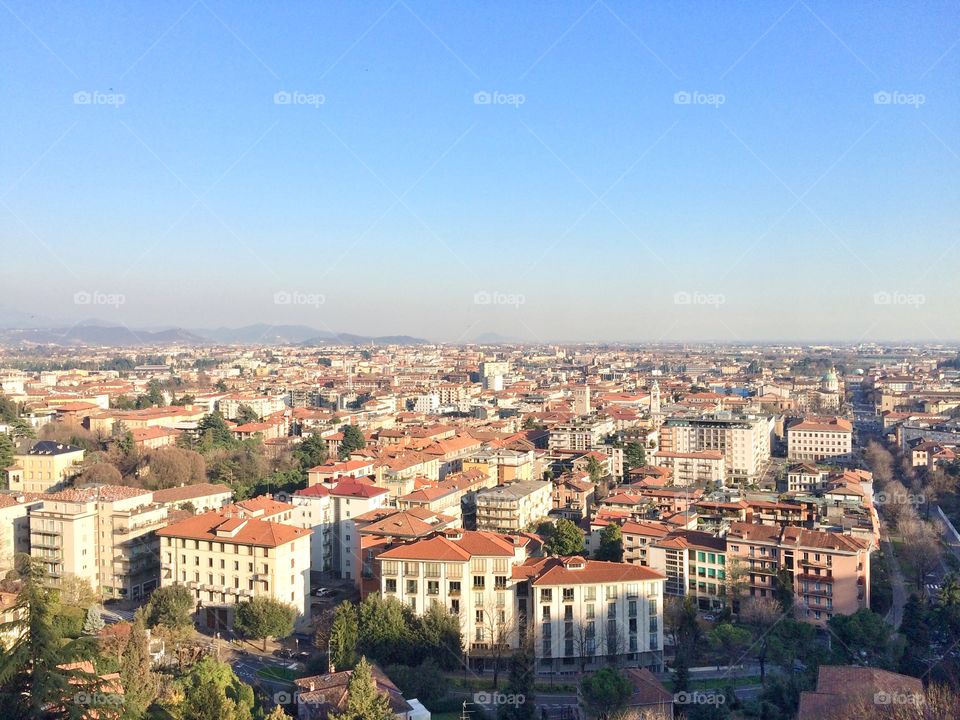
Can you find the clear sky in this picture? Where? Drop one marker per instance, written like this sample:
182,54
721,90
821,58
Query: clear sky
629,170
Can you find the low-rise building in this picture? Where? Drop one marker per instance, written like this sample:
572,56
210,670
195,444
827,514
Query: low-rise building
826,440
45,465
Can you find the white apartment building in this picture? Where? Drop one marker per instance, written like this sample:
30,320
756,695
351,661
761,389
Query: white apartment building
15,527
105,535
807,478
513,507
315,510
350,499
42,467
586,613
239,552
744,440
693,468
820,440
427,404
470,573
580,434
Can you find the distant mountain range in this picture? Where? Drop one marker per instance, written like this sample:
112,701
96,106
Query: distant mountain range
17,328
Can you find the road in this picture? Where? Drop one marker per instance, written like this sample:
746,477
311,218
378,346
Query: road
895,613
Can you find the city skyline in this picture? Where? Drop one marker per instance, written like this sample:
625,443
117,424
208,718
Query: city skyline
591,172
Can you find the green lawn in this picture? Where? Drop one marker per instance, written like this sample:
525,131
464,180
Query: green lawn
277,673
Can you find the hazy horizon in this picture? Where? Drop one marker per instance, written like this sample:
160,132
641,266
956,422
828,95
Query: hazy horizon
596,171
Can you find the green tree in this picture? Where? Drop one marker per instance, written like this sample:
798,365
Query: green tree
155,393
425,681
605,692
521,681
634,456
170,606
277,713
311,452
441,637
214,431
264,617
93,623
387,631
364,700
352,440
611,544
863,637
32,683
564,538
729,641
220,386
7,449
595,469
680,621
246,414
140,685
783,589
211,691
8,409
344,637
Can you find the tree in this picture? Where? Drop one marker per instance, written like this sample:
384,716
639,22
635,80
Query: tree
101,474
76,592
386,631
611,544
595,469
352,440
7,450
32,683
863,636
93,623
155,393
364,700
277,714
783,589
634,456
729,641
564,538
246,414
521,681
605,692
214,431
140,685
211,691
760,614
264,617
170,606
680,622
344,637
172,467
441,637
735,582
311,452
425,681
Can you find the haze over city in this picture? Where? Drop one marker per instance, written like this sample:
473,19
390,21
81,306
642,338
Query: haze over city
584,171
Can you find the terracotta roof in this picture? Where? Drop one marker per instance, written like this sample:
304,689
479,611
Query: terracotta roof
261,533
577,570
189,492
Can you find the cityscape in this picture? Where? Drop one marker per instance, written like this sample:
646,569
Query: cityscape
464,361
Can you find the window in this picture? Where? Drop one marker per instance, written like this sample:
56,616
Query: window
455,587
390,585
568,594
479,581
431,569
411,587
546,595
389,567
433,587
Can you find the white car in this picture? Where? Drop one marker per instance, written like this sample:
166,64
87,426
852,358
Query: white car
322,592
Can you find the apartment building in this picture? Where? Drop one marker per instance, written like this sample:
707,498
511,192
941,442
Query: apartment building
586,613
105,535
743,440
806,478
470,573
236,553
826,440
694,468
582,435
503,464
45,465
352,498
513,507
830,571
15,527
694,563
573,496
315,511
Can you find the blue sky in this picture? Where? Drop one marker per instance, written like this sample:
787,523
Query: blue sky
586,201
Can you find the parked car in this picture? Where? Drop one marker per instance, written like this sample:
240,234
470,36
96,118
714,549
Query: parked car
322,592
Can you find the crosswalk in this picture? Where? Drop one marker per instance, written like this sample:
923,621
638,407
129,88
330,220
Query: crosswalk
113,616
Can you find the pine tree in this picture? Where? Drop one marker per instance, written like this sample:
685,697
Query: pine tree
364,701
139,684
93,624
